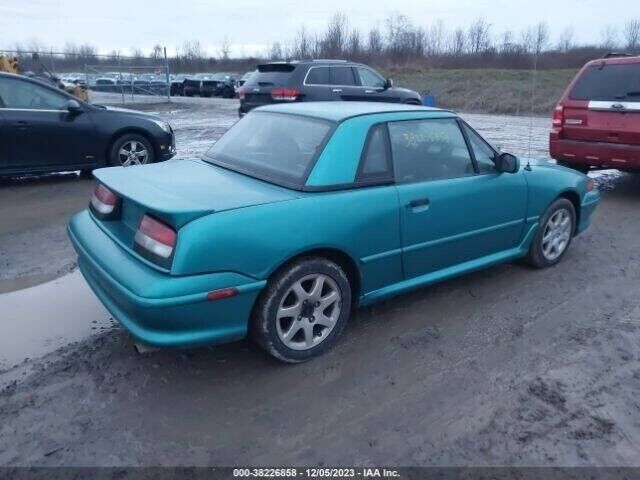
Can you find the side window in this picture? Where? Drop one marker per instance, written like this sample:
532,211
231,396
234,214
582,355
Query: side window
481,150
318,76
19,94
429,150
375,162
369,78
342,76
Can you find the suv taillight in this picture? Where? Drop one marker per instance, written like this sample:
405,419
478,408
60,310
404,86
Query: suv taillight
558,117
155,240
104,203
286,94
241,93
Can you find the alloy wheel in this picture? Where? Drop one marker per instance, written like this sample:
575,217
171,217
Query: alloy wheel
557,234
133,153
308,312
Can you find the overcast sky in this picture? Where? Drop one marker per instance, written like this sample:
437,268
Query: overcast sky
252,25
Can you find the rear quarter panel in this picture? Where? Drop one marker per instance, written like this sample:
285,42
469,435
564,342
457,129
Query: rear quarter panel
361,223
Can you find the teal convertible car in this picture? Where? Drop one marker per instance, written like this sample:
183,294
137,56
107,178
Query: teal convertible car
301,212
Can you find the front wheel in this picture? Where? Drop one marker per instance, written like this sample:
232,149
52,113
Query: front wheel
303,310
131,149
554,234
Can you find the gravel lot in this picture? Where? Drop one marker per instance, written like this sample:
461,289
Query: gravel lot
505,366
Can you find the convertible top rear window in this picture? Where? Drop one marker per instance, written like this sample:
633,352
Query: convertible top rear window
275,147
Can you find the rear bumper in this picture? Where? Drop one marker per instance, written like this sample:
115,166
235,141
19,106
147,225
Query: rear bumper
157,308
595,154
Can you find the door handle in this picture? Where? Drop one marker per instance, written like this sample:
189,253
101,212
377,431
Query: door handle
337,90
419,204
369,91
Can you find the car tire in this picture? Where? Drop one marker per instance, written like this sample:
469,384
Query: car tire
124,143
553,237
284,319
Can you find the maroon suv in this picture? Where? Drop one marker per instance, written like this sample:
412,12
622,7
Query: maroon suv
596,124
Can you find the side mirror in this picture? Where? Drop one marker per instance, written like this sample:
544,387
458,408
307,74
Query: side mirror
74,106
507,163
388,84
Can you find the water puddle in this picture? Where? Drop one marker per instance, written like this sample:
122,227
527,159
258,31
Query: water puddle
39,320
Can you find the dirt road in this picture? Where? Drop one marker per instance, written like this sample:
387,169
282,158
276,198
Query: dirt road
505,366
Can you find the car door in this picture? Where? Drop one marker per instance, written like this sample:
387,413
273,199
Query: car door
42,133
452,211
373,87
317,85
343,83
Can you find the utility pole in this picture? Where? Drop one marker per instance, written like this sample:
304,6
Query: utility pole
166,70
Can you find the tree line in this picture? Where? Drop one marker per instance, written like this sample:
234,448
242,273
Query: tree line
396,43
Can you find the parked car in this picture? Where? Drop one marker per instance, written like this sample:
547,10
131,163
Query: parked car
105,85
44,129
245,77
191,86
319,80
242,80
176,85
219,85
596,123
301,212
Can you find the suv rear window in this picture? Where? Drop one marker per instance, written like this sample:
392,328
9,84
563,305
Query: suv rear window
608,83
270,74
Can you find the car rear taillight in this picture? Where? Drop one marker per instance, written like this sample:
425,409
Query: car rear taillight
241,93
104,203
558,116
591,185
155,238
286,94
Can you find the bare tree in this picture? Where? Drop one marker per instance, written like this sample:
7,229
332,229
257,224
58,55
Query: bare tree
302,44
458,42
540,37
70,51
354,44
435,38
506,42
335,37
225,49
565,42
403,40
609,37
275,53
631,34
478,36
191,50
375,43
157,53
87,52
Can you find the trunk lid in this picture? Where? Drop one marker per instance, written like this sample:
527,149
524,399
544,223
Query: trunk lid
179,191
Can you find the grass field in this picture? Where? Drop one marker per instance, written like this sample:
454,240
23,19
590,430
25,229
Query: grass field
488,90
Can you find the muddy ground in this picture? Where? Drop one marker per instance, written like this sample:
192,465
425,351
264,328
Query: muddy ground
506,366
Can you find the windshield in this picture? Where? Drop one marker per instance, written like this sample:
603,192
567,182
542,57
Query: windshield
609,83
276,147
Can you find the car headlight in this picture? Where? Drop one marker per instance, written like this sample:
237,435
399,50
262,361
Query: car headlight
163,125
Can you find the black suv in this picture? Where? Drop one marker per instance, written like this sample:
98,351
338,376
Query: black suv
319,80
